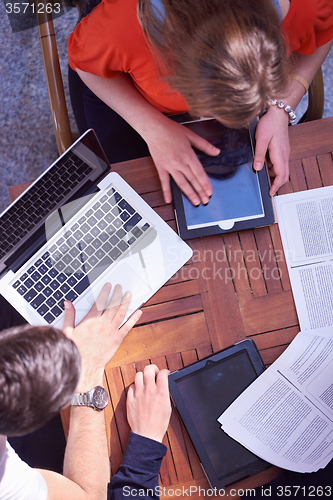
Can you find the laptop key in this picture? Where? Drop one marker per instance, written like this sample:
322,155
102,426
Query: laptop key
46,279
117,223
82,285
96,243
123,245
30,295
21,290
36,276
39,286
126,206
47,291
57,295
37,301
137,232
28,283
106,207
115,253
124,216
120,233
114,240
42,269
103,237
109,217
42,310
72,281
50,302
64,288
54,284
133,221
53,273
56,311
74,252
71,296
49,317
106,247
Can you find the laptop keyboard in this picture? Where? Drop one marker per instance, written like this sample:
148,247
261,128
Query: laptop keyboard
47,193
103,231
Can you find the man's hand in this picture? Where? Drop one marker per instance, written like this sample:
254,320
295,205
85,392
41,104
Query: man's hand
97,335
272,135
148,403
170,145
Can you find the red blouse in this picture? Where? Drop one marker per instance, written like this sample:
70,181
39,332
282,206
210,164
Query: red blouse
308,25
110,41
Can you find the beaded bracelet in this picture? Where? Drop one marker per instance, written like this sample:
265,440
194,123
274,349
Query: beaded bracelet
285,107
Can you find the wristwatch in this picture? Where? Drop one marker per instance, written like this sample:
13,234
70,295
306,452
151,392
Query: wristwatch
97,398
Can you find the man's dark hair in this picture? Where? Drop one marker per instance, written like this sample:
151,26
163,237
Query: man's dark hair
39,371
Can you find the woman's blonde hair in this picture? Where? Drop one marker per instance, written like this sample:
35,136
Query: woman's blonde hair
226,57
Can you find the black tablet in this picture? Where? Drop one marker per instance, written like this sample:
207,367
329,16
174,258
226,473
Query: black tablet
201,392
240,198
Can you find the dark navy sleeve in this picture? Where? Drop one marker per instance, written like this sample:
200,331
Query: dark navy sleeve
137,475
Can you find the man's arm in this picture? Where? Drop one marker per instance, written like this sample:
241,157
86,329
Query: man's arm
86,463
148,414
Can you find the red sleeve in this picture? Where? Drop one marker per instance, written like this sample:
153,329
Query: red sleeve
101,39
308,25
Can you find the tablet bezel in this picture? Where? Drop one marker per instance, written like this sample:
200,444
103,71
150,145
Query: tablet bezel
269,217
258,464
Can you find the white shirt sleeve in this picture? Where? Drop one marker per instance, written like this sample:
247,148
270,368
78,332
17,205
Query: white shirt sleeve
18,481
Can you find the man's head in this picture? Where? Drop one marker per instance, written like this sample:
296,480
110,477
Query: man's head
39,371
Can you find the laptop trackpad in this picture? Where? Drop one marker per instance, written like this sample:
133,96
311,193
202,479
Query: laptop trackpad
125,276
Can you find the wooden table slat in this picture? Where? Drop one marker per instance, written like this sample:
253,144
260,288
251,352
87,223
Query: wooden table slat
253,265
297,178
263,314
311,170
325,168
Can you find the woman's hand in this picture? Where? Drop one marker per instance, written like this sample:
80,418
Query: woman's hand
170,145
272,135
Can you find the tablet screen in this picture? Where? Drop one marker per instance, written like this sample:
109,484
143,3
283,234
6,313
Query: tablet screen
236,190
206,393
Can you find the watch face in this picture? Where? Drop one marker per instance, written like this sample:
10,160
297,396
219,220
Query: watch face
100,398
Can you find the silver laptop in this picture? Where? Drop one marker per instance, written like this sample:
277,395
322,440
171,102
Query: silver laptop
76,227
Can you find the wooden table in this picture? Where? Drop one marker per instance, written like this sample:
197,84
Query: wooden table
235,286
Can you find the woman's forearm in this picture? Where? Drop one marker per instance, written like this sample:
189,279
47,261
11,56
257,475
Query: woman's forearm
120,94
305,66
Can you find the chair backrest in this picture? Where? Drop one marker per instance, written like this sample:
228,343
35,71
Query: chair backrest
316,99
54,81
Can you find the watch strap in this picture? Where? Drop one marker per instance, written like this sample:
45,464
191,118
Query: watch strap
81,399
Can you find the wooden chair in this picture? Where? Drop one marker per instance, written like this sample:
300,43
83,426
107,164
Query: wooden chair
56,93
54,81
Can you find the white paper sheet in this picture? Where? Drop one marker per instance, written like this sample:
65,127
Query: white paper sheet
286,415
306,225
